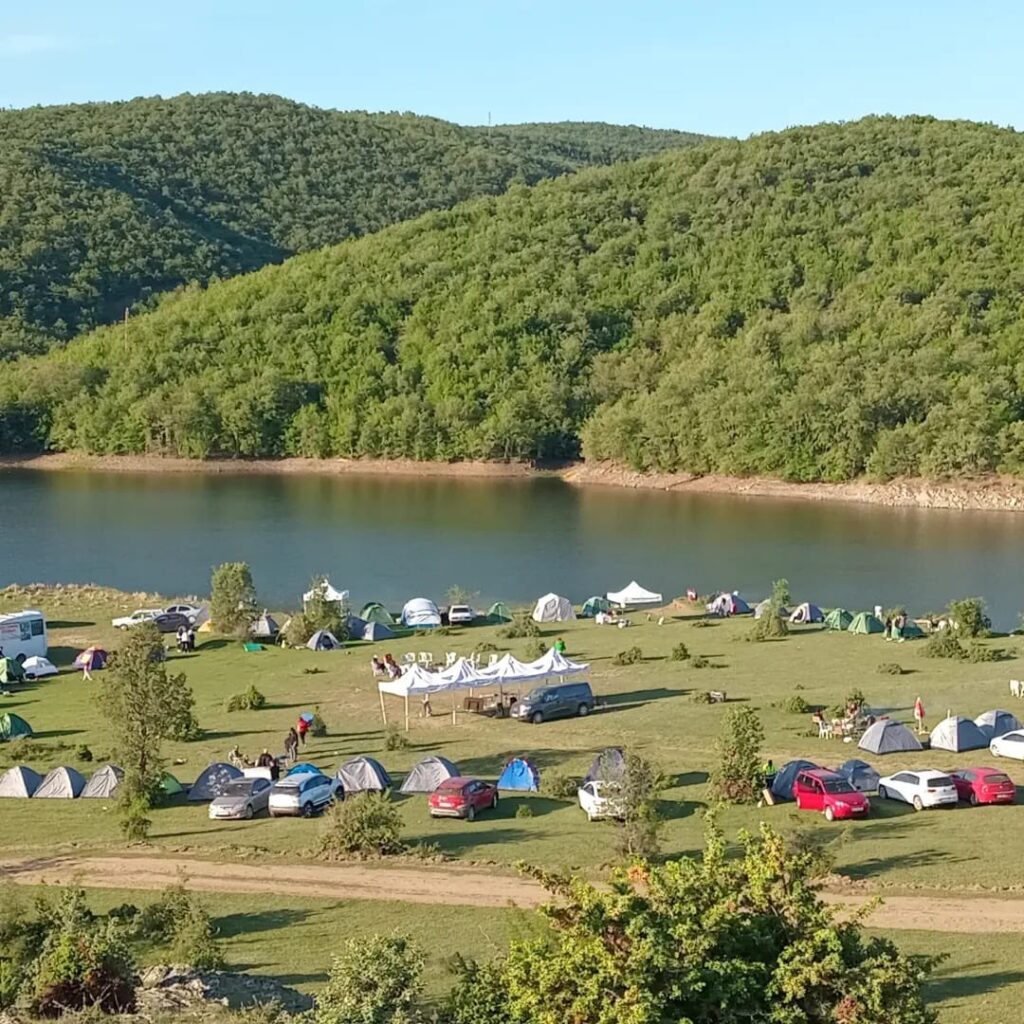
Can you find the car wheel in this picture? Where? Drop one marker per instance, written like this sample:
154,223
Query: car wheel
470,812
308,810
830,815
883,793
583,711
536,718
974,799
249,812
918,806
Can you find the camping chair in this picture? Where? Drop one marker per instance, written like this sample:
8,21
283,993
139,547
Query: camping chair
450,657
1016,688
824,729
837,729
409,658
491,660
426,658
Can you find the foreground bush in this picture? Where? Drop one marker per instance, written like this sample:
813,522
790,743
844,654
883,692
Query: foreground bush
630,656
522,625
178,920
248,700
363,825
559,786
944,644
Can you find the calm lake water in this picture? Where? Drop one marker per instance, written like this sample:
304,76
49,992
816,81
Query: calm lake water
389,539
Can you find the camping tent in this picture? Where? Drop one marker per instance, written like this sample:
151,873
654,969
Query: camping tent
327,592
14,727
997,723
552,608
61,783
888,737
374,611
354,626
838,619
761,609
37,667
362,775
608,766
782,784
265,627
428,774
304,767
420,613
957,733
633,594
728,604
553,663
860,775
807,613
104,782
170,786
377,631
323,640
498,613
593,605
213,780
92,657
519,774
11,671
912,631
19,782
865,622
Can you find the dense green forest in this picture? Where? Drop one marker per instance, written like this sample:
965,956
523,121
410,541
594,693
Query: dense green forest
817,303
103,205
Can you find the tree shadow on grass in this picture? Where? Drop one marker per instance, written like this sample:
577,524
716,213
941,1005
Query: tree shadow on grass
52,733
684,779
470,835
67,624
229,925
63,657
950,982
636,698
539,805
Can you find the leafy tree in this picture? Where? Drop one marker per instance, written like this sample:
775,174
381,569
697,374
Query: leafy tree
638,789
772,623
737,777
233,598
970,616
318,613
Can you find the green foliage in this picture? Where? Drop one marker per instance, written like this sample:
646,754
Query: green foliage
558,786
890,668
978,653
232,598
317,727
680,653
363,825
780,593
478,995
970,616
772,624
178,920
318,613
944,644
248,700
700,697
522,625
524,811
134,807
737,777
83,753
376,980
485,647
637,790
534,649
394,738
460,595
795,705
700,662
630,656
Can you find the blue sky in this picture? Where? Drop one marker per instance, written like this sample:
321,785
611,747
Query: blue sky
729,68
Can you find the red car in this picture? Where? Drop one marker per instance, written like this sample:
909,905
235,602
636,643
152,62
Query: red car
983,786
462,798
818,789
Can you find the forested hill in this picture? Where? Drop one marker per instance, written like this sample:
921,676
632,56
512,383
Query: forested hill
101,205
814,304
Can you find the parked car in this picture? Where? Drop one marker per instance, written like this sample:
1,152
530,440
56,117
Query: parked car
928,788
984,786
141,615
460,615
818,789
305,794
242,798
1010,744
171,622
600,799
560,701
460,797
193,613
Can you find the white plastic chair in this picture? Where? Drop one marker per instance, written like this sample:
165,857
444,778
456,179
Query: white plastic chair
426,658
409,658
824,730
492,660
450,658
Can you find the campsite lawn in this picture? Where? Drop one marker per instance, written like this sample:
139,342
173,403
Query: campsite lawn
649,708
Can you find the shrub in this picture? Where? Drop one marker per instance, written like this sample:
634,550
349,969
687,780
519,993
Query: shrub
318,727
638,791
700,697
522,625
248,700
524,811
890,668
364,825
630,656
134,821
394,738
559,786
977,653
178,920
737,777
83,753
534,650
485,647
943,644
701,623
700,662
795,705
680,653
232,598
970,616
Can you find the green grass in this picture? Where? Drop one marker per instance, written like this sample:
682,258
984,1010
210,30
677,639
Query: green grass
649,708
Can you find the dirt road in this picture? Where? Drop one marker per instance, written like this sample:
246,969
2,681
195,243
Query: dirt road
449,885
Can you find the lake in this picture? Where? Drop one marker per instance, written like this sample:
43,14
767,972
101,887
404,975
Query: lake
391,538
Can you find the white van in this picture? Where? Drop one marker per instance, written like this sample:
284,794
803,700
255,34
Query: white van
22,635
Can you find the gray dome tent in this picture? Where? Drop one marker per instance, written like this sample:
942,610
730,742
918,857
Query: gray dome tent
19,781
104,782
957,733
782,784
213,780
888,737
807,612
860,775
355,626
997,723
61,783
362,775
265,627
428,774
377,631
323,640
608,766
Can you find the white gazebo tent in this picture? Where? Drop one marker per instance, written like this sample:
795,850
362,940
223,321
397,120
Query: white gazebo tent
328,593
633,594
554,663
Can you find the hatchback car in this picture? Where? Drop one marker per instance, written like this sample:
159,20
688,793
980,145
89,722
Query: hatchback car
141,615
561,701
984,786
1010,744
601,799
818,789
305,794
460,797
192,612
242,798
460,615
928,788
171,622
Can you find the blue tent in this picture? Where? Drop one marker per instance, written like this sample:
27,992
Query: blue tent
782,784
303,766
377,631
519,774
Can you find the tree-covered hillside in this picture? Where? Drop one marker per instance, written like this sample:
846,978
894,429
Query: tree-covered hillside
815,303
103,205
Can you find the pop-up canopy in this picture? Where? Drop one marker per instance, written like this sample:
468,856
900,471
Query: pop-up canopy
327,592
633,594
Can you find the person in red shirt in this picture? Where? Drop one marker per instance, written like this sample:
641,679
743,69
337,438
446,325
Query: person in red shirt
302,728
919,714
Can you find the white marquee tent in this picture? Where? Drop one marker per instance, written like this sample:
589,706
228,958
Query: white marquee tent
552,608
634,594
329,593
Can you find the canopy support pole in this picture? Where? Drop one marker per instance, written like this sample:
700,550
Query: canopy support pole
383,710
453,707
407,712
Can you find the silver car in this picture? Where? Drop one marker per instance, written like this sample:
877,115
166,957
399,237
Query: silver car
242,798
304,793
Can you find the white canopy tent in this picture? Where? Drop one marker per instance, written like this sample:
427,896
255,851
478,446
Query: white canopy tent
632,595
328,593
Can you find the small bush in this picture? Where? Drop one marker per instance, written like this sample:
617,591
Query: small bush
700,697
978,653
195,943
795,705
318,727
486,647
133,821
737,777
248,700
771,626
701,623
700,662
890,668
394,738
522,625
680,653
364,825
630,656
536,649
524,811
943,644
559,786
83,753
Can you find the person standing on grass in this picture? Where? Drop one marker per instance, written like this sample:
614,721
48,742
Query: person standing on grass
897,633
86,674
919,714
303,728
560,646
888,628
291,744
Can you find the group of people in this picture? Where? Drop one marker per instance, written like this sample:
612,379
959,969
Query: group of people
186,638
895,626
385,667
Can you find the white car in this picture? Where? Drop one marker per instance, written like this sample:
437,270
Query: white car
921,789
141,615
304,793
1010,744
460,615
600,800
193,612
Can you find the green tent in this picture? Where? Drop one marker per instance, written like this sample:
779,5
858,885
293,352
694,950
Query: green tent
865,622
376,612
498,613
170,785
838,618
912,631
11,671
14,727
595,604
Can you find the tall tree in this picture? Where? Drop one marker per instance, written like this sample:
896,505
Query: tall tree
232,598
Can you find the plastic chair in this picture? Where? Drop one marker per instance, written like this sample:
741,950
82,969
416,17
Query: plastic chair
409,658
426,658
491,660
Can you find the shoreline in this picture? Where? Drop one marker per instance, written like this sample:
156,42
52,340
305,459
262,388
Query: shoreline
989,494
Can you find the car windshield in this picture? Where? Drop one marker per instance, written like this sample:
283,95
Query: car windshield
996,779
240,787
939,781
838,786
